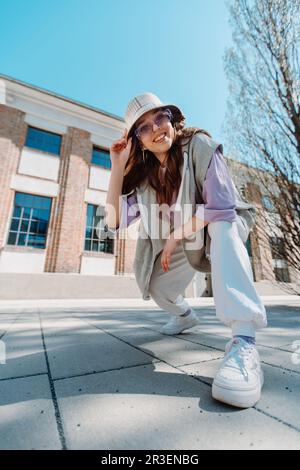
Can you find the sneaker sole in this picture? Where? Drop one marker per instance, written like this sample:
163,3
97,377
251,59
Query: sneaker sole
191,324
237,398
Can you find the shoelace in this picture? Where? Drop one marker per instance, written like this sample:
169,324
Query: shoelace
239,355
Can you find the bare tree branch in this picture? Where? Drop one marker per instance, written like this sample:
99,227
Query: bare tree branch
263,117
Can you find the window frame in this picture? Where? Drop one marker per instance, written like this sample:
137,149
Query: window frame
48,152
107,242
30,220
105,151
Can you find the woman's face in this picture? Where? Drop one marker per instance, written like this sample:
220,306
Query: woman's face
152,140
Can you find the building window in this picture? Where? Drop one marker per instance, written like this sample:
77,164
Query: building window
30,219
43,140
92,240
278,254
101,157
268,204
281,271
277,247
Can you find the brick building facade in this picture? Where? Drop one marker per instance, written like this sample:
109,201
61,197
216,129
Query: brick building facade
54,174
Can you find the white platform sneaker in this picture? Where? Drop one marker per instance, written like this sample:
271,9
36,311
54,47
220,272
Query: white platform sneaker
240,378
178,324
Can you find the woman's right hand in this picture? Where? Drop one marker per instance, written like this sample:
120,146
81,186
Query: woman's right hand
120,150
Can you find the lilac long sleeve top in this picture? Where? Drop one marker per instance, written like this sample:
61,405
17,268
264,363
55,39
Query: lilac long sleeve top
218,196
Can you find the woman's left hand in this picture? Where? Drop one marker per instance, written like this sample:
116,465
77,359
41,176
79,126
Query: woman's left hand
167,252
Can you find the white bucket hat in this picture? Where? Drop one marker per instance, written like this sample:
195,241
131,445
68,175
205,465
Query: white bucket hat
141,104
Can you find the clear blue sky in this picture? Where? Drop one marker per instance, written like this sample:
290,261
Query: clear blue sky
103,52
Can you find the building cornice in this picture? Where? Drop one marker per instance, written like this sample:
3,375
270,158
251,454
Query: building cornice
42,105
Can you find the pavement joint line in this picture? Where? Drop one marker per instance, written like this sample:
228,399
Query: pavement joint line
52,388
193,377
276,348
123,341
155,357
190,341
254,407
295,428
151,329
200,362
200,344
138,349
263,362
175,336
280,367
96,372
284,345
99,371
228,338
218,349
137,365
135,347
58,418
259,410
10,325
38,374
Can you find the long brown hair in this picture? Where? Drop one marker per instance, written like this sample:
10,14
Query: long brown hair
137,172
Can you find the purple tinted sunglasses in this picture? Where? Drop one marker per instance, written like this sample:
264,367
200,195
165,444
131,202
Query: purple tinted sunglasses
161,118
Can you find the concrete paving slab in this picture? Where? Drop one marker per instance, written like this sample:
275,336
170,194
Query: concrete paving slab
159,407
280,394
6,321
166,348
74,348
282,359
27,415
120,383
24,349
